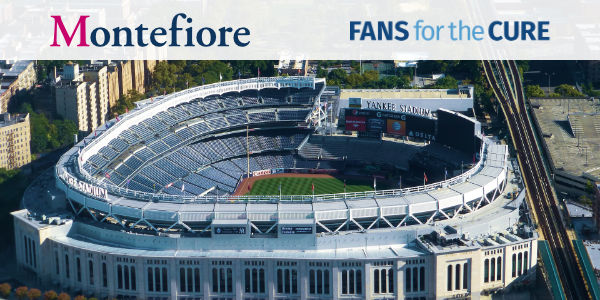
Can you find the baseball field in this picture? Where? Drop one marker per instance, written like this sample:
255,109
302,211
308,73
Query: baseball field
301,184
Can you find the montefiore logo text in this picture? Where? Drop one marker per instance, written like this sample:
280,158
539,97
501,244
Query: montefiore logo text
141,36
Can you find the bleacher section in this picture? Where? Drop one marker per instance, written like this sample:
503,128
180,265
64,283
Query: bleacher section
169,130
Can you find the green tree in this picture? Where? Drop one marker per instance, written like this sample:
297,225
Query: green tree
5,288
534,91
34,294
21,292
50,295
446,82
337,77
63,296
566,90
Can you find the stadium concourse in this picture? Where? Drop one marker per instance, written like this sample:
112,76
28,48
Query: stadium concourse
144,208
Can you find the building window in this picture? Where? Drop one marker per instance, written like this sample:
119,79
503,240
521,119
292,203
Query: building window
150,277
465,276
499,268
408,281
222,277
56,263
519,264
104,275
449,279
126,277
352,281
486,270
422,279
457,283
78,263
493,269
319,282
91,272
67,271
287,281
525,265
514,265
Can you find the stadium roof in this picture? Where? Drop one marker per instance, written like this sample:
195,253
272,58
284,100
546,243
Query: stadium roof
406,93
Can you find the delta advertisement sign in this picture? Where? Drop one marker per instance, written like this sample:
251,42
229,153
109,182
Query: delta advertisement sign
83,186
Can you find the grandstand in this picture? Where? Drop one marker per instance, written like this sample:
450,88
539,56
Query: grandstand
145,208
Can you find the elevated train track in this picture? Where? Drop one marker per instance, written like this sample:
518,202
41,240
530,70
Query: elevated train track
504,79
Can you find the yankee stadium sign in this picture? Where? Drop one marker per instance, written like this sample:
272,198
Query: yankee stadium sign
83,186
409,109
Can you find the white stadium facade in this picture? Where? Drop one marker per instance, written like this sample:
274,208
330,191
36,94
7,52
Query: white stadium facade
144,209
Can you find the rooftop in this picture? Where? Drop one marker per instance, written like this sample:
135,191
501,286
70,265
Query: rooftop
465,93
7,119
571,130
16,68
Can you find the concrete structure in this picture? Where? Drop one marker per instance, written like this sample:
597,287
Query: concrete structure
15,77
80,231
15,136
571,140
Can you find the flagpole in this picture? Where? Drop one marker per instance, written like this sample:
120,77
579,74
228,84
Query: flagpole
248,150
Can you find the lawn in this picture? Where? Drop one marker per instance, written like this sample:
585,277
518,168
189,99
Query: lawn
303,186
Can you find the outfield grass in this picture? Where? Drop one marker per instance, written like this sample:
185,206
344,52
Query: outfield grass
302,186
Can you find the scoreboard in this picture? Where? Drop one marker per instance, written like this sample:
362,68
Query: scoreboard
391,123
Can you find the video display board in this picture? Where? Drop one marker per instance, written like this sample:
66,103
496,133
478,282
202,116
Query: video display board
392,123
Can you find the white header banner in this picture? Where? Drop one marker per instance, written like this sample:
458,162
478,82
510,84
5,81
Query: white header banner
308,29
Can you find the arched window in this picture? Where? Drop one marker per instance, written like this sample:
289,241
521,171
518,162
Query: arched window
326,282
376,283
91,271
133,284
78,264
319,282
408,280
119,277
261,280
156,279
457,283
422,279
449,287
525,265
215,280
514,265
190,280
247,280
493,269
519,264
390,279
486,270
197,279
351,282
67,270
182,282
294,281
104,275
229,280
312,281
499,268
415,278
465,276
151,280
280,281
126,275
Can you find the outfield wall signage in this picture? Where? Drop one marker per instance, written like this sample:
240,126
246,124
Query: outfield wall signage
83,186
230,230
296,230
261,172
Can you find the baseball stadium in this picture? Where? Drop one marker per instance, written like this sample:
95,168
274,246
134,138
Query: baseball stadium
272,188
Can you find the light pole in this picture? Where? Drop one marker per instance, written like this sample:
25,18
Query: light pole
549,74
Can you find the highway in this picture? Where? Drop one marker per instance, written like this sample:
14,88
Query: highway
505,80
